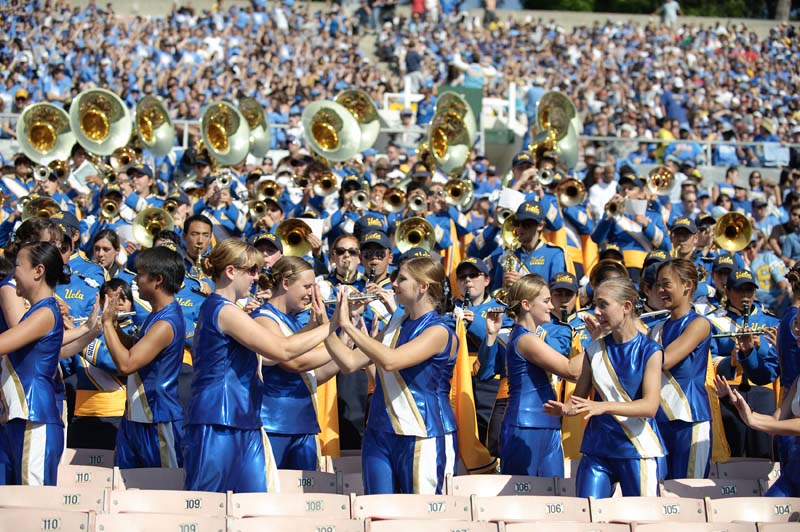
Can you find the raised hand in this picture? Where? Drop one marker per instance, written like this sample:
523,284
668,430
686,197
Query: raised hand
111,307
722,387
581,405
318,312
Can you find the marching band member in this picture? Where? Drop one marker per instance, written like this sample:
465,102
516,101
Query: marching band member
621,443
345,255
144,187
405,449
150,432
78,262
376,256
225,447
288,408
530,440
684,418
218,206
31,426
720,270
105,251
197,234
100,219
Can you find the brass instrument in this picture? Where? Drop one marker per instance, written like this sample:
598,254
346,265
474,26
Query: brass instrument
555,111
510,261
43,132
425,155
148,223
41,172
417,202
100,120
414,232
449,142
225,133
451,103
501,296
109,209
459,192
556,129
294,236
360,105
256,209
325,184
361,198
503,214
331,130
60,169
268,189
546,176
394,200
661,181
257,122
154,127
171,206
571,192
39,206
614,209
732,232
224,179
123,158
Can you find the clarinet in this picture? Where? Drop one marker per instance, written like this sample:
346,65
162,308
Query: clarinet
465,305
564,314
371,275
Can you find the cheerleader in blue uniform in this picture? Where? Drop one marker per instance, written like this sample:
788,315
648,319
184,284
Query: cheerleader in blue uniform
150,431
621,443
225,447
530,440
31,428
684,418
289,406
405,446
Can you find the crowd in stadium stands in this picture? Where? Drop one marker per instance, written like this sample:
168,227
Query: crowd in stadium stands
627,80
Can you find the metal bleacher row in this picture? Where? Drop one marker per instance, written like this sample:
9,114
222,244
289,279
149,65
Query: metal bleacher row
92,496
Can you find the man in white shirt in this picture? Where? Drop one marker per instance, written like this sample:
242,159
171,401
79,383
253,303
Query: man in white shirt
601,193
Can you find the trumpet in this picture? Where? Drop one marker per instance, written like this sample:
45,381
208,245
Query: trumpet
394,200
256,209
571,193
224,180
416,202
355,297
361,199
325,184
268,189
41,172
546,176
60,169
171,205
122,159
459,192
414,232
109,209
732,232
615,208
503,215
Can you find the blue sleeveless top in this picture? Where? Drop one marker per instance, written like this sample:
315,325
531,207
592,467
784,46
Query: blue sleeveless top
288,402
604,436
689,373
28,375
412,393
8,281
529,388
226,389
152,390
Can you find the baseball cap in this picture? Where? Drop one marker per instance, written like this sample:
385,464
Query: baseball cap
684,223
530,210
704,220
420,170
66,220
629,179
475,263
21,93
111,188
564,280
376,237
368,223
723,262
740,278
759,202
657,256
141,169
520,158
178,196
609,247
269,238
413,253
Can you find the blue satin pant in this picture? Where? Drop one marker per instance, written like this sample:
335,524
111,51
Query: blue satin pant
531,451
148,445
597,475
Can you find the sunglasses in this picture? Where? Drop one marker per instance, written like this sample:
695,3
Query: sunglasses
341,251
252,270
370,254
471,275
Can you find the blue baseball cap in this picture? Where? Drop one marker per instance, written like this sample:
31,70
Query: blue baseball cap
474,263
268,238
376,237
740,278
530,210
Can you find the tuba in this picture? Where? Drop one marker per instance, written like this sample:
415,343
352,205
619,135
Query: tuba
38,206
361,106
414,232
571,192
732,232
331,130
259,129
661,181
100,120
154,127
225,133
294,236
556,119
44,133
149,223
460,193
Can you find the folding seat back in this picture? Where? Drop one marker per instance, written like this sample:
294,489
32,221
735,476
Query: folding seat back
294,524
83,476
309,505
632,509
16,519
428,525
297,481
754,509
405,506
91,457
698,488
167,502
530,508
149,478
53,498
488,485
159,522
694,527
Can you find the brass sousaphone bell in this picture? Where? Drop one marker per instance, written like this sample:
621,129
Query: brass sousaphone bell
259,129
149,222
661,181
453,131
154,127
294,236
331,130
732,232
414,232
100,120
363,109
44,133
225,133
556,119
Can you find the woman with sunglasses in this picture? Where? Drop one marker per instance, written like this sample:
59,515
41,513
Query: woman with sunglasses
345,256
288,408
225,447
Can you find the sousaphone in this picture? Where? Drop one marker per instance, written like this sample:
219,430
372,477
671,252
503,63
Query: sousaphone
44,133
259,129
149,222
361,106
225,133
100,121
331,130
154,127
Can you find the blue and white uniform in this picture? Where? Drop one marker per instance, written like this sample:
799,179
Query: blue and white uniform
618,448
31,428
684,418
530,440
224,446
289,405
405,449
149,435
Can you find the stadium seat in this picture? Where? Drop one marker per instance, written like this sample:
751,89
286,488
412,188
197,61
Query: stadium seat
294,524
566,487
754,509
347,464
778,527
632,509
297,481
148,478
17,519
327,505
167,502
352,483
749,468
92,457
694,527
427,525
566,526
83,476
159,522
488,485
698,488
404,506
530,508
54,498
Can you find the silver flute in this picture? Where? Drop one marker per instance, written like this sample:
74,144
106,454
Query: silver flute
120,316
357,297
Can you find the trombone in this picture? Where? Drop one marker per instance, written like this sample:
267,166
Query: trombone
123,158
268,189
294,235
171,206
571,193
361,198
256,209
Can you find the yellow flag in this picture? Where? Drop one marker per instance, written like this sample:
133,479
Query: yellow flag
328,418
571,426
473,453
720,451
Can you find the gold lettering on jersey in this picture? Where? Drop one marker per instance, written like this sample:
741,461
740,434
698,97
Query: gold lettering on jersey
184,302
73,294
536,261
